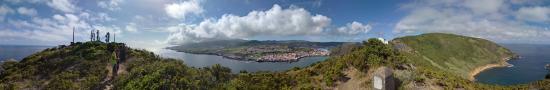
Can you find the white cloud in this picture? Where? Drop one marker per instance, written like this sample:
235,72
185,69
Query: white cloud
536,14
4,10
131,27
111,29
54,30
276,21
484,6
354,28
27,11
63,5
490,22
28,1
182,10
110,4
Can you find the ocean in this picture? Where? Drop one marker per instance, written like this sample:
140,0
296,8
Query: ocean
528,68
18,52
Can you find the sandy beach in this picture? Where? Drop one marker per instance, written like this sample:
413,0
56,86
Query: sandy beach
477,70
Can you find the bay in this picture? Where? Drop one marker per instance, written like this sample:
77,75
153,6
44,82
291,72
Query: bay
202,60
528,68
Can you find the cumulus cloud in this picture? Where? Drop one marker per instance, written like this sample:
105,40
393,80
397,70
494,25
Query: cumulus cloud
471,19
55,29
4,10
110,4
536,14
181,10
276,21
63,5
484,6
28,1
354,28
26,11
131,27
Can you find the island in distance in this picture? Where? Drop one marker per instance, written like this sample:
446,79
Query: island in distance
261,51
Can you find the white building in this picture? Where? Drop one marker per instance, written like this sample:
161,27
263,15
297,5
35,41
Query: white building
382,39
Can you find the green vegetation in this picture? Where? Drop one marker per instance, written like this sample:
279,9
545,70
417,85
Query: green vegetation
444,61
451,53
82,65
96,65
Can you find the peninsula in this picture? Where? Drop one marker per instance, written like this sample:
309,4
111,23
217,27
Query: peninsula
261,51
460,55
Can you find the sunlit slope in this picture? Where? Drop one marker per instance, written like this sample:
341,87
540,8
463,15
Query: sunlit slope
83,65
451,53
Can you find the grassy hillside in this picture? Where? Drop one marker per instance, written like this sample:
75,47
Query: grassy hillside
96,65
84,65
452,53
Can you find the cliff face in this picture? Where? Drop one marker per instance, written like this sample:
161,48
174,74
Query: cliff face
461,55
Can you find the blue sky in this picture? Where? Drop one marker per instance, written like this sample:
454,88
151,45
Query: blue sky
160,23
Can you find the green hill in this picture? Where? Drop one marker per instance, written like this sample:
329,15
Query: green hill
97,65
452,53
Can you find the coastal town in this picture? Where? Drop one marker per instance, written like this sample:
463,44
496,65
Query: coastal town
260,51
273,53
292,56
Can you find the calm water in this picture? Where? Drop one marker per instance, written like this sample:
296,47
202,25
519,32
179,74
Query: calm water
18,52
528,68
200,60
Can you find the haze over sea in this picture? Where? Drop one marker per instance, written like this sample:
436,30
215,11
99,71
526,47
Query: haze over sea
18,52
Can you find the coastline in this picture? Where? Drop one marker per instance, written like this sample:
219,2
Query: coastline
477,70
247,59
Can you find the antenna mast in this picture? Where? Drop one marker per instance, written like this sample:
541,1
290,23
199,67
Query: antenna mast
73,34
114,36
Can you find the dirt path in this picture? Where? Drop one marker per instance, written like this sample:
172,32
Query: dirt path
120,55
